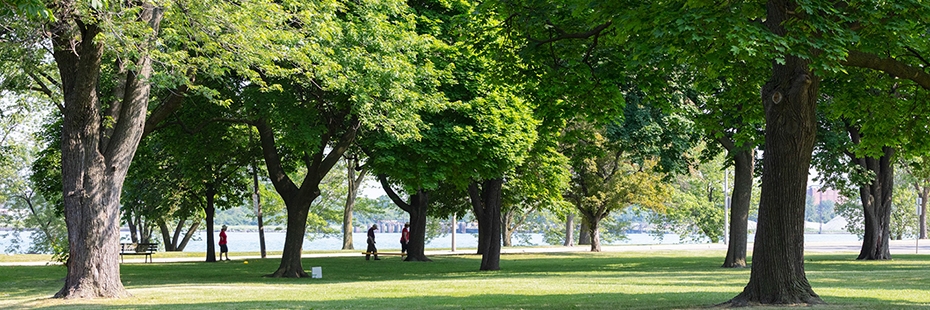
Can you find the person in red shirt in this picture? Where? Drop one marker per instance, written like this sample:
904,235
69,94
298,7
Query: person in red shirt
371,243
223,248
404,238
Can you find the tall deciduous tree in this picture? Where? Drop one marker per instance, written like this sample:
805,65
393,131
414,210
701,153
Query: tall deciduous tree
98,140
211,157
103,52
920,180
345,66
355,176
22,190
606,177
695,210
858,147
534,186
725,93
789,99
804,41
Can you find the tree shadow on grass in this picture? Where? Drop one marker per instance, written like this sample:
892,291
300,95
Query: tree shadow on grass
25,281
342,269
821,268
687,300
700,274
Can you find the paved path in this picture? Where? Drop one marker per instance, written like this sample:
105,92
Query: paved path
896,247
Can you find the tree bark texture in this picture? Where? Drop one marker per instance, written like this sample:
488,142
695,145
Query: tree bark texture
876,203
486,202
595,232
789,98
354,183
569,230
291,265
350,204
175,242
739,208
95,158
297,199
416,246
187,236
416,209
131,220
584,238
507,227
484,228
209,213
591,222
168,242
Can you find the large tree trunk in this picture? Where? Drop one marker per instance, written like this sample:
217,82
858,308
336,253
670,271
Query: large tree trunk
416,246
416,209
569,230
876,204
484,227
486,201
354,185
166,236
291,265
298,199
789,97
347,242
739,209
209,212
95,158
594,232
583,236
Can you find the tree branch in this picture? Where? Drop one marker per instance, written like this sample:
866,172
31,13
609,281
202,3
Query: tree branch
477,204
282,183
888,65
166,108
392,194
577,35
727,143
43,88
916,54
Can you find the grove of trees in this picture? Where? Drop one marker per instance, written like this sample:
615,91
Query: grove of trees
156,114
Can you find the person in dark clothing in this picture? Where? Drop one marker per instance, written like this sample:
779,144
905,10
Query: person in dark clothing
404,238
371,243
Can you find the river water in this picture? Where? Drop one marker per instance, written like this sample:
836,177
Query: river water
274,241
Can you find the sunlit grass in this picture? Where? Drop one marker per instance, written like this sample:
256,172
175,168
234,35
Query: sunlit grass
610,280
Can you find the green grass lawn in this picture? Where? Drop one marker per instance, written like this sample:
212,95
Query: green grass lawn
610,280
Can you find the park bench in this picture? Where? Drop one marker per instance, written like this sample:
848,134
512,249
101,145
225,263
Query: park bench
402,255
138,249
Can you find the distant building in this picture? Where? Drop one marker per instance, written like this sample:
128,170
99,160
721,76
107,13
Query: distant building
820,193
